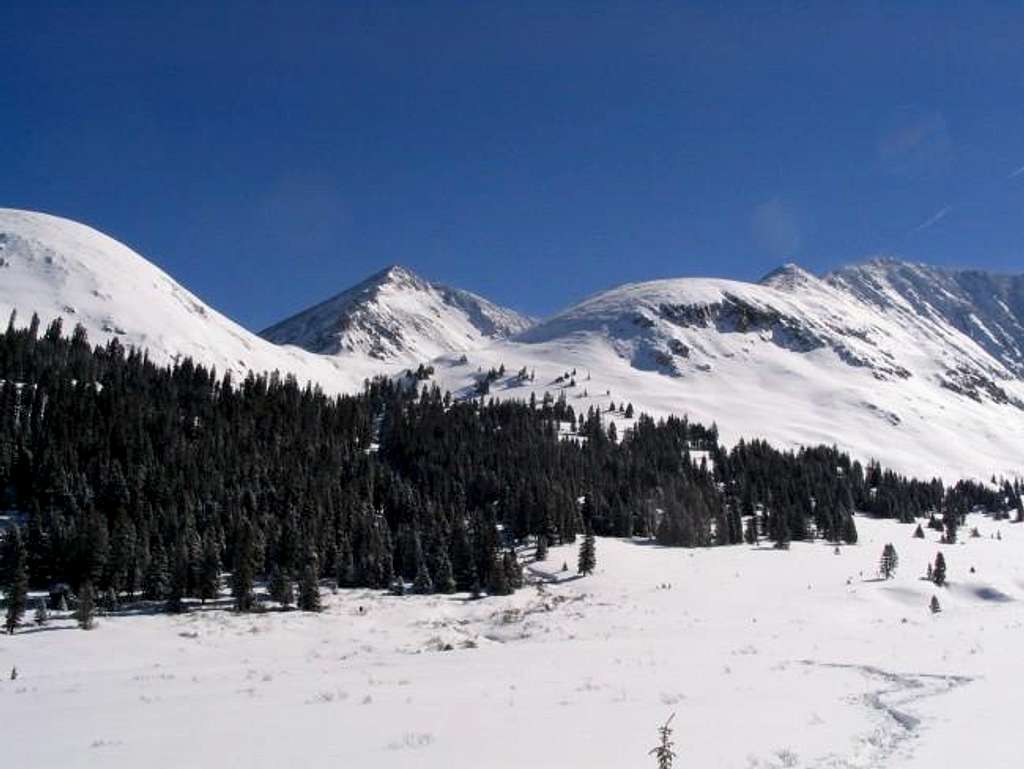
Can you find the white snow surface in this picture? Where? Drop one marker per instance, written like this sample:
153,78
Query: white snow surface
768,659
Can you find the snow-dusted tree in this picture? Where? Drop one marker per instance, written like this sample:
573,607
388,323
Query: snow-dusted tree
939,570
42,616
86,611
309,586
280,587
587,561
934,605
541,553
918,532
889,562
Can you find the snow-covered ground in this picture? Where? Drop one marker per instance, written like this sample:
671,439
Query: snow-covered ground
767,658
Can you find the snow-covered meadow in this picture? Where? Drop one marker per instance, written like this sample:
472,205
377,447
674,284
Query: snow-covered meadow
767,658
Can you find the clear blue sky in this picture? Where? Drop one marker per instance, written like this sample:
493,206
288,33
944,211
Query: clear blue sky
269,155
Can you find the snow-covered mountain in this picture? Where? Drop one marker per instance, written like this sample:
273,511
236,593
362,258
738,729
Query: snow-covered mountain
915,366
60,268
395,315
918,367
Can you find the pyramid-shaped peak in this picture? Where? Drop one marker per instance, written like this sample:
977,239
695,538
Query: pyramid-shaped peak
788,275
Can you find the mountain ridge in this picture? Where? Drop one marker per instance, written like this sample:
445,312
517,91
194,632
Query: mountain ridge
919,367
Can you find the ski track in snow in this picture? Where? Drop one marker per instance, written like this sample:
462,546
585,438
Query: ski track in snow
888,742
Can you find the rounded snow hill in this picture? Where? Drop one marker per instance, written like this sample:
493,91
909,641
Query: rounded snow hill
58,268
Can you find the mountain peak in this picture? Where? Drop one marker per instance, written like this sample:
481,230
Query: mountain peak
396,315
787,277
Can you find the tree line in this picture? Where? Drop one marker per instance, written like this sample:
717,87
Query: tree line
134,480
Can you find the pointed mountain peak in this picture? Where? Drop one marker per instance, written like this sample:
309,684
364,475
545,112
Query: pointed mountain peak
788,276
396,315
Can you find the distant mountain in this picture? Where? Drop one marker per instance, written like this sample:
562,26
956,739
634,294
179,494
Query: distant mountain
62,269
915,366
395,315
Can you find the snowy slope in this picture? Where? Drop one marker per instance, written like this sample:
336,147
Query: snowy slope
796,359
59,268
395,315
793,659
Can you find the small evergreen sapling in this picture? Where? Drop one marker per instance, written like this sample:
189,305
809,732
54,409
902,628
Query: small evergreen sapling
934,605
663,752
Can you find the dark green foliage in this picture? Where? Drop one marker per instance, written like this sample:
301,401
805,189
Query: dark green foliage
85,612
15,581
939,570
663,752
309,584
889,561
140,478
587,560
541,553
280,587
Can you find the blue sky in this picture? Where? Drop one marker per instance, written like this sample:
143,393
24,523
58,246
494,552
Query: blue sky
269,155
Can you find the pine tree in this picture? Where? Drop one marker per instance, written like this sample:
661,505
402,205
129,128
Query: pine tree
86,611
209,573
309,586
889,561
497,581
422,584
934,605
16,557
156,582
280,587
541,553
243,575
444,580
939,570
663,752
42,616
750,532
587,560
919,532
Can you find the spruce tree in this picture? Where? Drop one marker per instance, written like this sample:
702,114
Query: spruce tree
587,561
42,616
85,613
17,582
422,584
309,586
209,573
934,605
541,553
939,570
16,586
280,587
889,561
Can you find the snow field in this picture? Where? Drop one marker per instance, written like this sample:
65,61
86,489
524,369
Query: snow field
768,659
